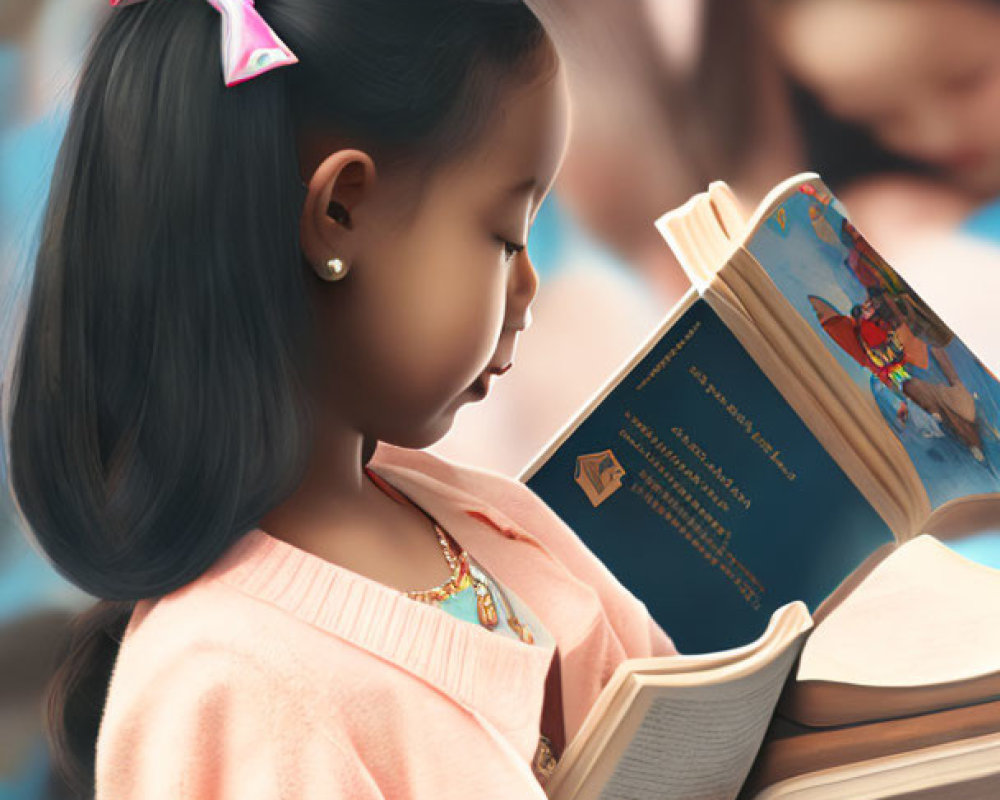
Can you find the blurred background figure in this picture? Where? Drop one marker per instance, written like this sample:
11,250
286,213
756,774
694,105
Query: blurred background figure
896,103
913,89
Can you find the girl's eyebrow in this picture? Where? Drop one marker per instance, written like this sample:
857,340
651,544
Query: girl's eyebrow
523,186
529,183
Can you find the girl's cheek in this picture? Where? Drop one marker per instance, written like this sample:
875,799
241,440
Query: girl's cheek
459,326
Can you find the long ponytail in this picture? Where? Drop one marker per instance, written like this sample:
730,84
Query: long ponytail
75,697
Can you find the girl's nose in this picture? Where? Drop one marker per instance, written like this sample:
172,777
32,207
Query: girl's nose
527,280
521,290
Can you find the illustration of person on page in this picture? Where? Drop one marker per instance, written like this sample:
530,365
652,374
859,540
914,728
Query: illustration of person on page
879,346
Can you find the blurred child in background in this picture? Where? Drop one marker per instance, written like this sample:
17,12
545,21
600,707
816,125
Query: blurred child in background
922,79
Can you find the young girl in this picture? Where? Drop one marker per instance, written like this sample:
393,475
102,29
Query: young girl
254,301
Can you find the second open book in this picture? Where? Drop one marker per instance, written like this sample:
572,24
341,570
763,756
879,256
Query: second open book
781,440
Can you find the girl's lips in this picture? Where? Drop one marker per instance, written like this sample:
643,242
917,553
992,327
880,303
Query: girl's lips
500,370
481,386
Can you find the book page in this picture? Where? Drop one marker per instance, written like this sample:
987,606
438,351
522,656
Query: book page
700,234
932,392
925,615
705,494
614,718
697,742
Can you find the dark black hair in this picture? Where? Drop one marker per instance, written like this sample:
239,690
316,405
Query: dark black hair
157,398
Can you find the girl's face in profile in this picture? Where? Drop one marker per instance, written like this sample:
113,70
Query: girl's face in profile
922,75
430,305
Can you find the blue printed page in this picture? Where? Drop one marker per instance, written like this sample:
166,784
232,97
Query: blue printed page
705,494
940,401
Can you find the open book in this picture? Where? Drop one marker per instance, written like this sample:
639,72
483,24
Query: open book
799,408
899,671
798,416
867,364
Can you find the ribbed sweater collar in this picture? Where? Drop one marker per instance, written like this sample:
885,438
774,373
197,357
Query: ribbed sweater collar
463,660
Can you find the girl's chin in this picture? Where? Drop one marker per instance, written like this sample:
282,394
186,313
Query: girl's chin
473,393
479,388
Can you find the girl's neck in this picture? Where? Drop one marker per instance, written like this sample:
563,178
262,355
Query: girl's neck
338,514
334,491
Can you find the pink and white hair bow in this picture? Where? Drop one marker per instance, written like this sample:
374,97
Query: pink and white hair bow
249,46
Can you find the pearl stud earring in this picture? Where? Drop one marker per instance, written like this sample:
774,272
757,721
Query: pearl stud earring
335,269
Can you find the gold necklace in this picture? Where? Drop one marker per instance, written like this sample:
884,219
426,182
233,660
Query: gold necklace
454,583
461,573
461,578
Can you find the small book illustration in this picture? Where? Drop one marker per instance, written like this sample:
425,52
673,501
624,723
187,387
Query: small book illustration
599,475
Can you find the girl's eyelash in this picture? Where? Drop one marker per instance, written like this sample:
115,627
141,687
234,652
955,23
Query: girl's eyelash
509,245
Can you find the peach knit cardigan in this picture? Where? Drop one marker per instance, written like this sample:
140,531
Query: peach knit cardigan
279,675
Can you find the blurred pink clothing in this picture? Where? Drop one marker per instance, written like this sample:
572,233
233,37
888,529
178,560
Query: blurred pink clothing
278,674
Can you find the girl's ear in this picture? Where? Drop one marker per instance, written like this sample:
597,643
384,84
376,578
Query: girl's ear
339,185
